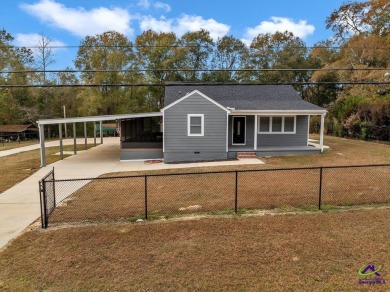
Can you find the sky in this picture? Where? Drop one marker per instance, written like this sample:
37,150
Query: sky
67,22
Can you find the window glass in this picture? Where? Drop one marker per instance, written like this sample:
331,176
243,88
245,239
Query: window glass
276,124
264,124
196,129
196,121
289,124
195,125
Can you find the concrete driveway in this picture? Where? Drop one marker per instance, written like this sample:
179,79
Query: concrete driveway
20,206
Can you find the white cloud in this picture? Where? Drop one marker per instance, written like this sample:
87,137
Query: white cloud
34,39
79,21
183,24
162,6
300,29
145,4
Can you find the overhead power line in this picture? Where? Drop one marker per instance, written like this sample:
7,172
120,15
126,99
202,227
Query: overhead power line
189,84
191,70
181,46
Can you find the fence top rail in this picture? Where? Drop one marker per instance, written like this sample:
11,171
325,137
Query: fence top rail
47,175
215,172
356,166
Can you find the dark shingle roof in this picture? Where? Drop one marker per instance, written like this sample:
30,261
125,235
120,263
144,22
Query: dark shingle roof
244,96
16,128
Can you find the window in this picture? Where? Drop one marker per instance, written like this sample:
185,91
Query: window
277,124
196,125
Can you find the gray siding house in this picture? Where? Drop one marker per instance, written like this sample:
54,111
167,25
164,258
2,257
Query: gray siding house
215,122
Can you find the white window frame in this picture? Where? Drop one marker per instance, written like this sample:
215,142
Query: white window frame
270,125
189,116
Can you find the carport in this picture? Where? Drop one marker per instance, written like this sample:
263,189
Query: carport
92,119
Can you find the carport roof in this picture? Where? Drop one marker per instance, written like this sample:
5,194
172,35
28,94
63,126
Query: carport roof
98,118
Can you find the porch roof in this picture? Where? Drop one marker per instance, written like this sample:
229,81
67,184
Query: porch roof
98,118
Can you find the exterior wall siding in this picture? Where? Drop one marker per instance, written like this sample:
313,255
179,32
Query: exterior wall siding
140,154
181,147
285,140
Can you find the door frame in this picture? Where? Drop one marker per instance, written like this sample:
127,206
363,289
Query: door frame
233,130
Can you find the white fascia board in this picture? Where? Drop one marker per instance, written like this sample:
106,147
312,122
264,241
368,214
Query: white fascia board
279,113
192,93
97,118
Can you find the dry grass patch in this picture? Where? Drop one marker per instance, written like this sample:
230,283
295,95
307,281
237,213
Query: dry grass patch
172,195
17,167
316,252
13,145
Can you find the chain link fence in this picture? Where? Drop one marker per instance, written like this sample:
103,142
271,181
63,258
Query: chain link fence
225,192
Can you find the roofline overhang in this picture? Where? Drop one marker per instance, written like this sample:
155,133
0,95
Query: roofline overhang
192,93
279,112
97,118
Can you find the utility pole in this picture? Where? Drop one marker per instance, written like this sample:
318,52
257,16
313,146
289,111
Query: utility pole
66,131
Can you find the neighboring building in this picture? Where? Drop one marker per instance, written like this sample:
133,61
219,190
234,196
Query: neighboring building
18,132
215,122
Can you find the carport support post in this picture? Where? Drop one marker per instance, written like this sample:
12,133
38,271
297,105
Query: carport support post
94,134
42,144
85,135
61,146
74,139
322,132
101,132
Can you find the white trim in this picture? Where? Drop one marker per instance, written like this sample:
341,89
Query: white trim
192,93
283,122
279,113
308,129
163,132
322,133
97,118
227,132
255,137
233,130
189,116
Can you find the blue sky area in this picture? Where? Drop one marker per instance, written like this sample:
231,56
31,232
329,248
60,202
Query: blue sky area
67,22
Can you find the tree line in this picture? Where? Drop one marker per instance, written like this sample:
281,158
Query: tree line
361,41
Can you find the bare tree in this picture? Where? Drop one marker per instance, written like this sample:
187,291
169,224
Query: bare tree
44,56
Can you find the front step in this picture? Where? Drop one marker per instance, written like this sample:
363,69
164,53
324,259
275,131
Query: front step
246,155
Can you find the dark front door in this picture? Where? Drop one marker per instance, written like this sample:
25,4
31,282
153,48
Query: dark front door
239,129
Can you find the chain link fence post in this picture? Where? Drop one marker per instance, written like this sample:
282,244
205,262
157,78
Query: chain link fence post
146,197
320,190
236,195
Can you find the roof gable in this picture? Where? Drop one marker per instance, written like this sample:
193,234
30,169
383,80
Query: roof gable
191,94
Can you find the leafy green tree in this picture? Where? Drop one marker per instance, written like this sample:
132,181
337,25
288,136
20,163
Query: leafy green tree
195,53
230,54
13,100
158,54
103,52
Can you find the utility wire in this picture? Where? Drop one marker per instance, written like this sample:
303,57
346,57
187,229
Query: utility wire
189,84
179,46
191,70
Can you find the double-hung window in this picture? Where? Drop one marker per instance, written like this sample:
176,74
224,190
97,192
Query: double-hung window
195,125
277,124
